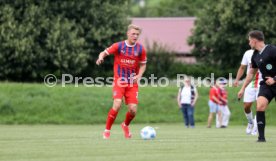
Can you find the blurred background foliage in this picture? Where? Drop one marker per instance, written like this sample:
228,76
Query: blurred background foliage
41,37
47,36
220,37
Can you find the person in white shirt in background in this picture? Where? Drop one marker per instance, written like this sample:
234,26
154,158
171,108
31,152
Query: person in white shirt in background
187,97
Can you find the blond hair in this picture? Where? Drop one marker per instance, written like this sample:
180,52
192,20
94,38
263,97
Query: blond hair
132,26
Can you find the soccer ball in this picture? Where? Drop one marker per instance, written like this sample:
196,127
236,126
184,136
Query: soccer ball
148,133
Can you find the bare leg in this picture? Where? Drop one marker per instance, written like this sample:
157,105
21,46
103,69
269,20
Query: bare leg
210,118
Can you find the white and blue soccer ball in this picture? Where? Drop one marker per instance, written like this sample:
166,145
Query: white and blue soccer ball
148,133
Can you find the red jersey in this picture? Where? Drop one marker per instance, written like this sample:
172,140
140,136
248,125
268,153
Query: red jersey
214,92
224,95
127,59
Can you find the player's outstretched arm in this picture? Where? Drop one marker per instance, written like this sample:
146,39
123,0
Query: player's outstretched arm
101,57
142,69
248,79
239,75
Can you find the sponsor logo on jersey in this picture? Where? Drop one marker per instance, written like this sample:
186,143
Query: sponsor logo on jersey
127,61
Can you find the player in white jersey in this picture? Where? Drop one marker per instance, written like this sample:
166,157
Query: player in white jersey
251,91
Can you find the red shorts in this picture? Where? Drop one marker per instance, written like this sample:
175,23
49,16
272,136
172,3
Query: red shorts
128,91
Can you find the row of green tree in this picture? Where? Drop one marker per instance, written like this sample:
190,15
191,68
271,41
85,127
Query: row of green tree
221,33
47,36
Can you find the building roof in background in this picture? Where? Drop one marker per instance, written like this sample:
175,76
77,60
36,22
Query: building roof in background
171,33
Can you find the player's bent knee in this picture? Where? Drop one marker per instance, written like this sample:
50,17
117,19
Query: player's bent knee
117,103
133,112
132,108
247,107
261,107
262,103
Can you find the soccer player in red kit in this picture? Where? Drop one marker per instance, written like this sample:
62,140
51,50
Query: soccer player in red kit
129,65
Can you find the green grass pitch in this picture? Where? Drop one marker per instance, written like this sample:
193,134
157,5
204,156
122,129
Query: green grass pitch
174,142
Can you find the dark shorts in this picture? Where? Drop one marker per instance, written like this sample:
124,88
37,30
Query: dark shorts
269,92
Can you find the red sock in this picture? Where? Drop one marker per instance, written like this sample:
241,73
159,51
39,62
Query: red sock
129,117
112,114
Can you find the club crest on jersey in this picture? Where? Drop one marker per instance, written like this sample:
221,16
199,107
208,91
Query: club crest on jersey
114,93
136,53
122,51
268,66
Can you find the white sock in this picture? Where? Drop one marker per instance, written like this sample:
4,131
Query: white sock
255,122
249,117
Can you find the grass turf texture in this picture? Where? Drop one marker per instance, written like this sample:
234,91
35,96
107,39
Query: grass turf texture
174,142
37,104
